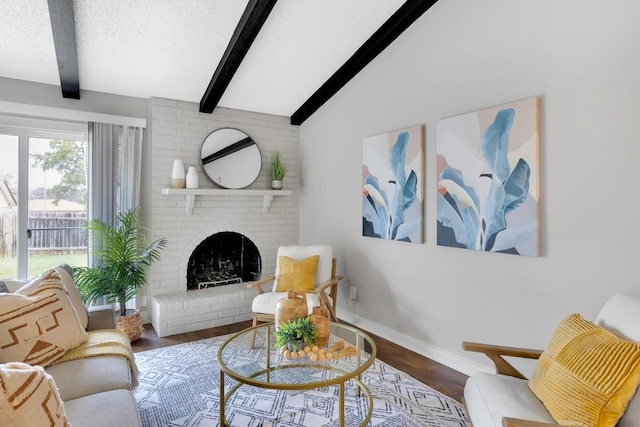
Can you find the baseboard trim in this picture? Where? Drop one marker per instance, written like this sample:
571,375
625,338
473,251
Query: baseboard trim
447,358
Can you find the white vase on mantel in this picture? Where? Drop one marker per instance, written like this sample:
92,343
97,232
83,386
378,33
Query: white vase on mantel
192,178
178,179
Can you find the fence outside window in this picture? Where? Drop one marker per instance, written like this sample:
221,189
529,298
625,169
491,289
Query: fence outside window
51,233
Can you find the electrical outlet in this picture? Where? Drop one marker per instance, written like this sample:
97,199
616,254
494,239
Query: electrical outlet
353,292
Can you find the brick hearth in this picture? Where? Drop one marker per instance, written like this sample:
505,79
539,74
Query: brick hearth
180,312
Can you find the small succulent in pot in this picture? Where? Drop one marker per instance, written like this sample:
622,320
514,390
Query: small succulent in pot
277,170
296,333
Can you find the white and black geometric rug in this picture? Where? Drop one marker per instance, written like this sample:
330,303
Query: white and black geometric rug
179,386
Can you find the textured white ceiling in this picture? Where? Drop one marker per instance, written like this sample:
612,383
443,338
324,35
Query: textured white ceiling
171,48
300,46
144,48
26,42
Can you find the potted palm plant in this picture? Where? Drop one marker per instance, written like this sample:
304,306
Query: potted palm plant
277,170
122,257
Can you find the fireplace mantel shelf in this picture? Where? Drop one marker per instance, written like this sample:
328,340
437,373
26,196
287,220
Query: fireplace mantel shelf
191,193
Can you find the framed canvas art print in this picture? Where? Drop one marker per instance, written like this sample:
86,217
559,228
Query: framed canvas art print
488,179
392,185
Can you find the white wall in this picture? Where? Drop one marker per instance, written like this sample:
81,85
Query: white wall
580,57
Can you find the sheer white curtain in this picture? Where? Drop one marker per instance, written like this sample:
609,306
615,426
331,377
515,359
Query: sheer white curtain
115,164
103,165
130,167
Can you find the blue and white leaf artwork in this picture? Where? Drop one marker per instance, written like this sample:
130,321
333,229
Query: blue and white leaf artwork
484,203
392,180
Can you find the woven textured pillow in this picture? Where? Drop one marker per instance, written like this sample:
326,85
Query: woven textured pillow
587,375
37,322
299,276
29,397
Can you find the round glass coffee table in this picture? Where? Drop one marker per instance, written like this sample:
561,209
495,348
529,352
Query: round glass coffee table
273,371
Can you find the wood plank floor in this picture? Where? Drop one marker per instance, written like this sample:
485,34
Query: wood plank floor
434,374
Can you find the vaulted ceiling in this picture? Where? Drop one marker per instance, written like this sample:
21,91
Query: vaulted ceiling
282,57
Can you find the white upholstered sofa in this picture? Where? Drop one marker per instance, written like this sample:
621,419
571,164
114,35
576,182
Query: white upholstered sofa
505,399
96,391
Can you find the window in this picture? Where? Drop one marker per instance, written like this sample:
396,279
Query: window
43,195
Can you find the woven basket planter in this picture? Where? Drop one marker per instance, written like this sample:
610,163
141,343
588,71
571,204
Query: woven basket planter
131,324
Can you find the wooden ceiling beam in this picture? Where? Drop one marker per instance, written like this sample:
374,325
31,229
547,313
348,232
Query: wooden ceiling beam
254,16
64,38
383,37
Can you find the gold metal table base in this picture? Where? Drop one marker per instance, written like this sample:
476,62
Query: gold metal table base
340,380
224,398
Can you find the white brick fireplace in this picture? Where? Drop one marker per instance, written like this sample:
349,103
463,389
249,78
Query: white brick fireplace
176,132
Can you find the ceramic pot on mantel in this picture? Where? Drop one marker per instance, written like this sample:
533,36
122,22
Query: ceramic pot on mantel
178,178
276,184
287,308
192,178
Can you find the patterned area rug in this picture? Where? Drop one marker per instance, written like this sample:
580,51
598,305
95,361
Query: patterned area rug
179,386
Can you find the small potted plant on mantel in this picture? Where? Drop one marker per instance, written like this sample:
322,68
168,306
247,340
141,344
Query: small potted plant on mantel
277,170
122,257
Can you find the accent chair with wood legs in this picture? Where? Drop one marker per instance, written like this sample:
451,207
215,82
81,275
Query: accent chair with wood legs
588,370
322,292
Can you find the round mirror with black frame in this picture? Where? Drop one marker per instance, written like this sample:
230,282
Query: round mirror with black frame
231,158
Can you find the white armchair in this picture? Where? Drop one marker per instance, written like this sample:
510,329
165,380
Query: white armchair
326,283
505,399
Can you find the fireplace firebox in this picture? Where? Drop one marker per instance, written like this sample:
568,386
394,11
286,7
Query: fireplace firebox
222,259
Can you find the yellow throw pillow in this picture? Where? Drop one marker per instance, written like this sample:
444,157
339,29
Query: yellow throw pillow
587,375
29,397
299,276
38,324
